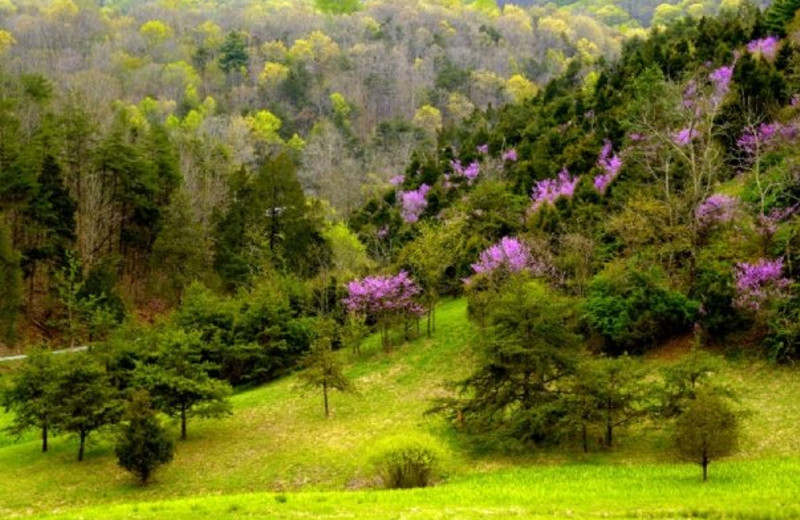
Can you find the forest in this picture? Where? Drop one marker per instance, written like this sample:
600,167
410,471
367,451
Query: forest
570,229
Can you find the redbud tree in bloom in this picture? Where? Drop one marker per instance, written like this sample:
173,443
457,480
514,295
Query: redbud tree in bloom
547,191
388,299
611,164
414,203
759,282
509,255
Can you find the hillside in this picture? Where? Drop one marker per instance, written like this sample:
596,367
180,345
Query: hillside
278,441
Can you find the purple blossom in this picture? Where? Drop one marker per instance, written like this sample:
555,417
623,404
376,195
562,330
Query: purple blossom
757,282
382,233
397,180
685,136
689,94
549,190
510,255
795,100
636,137
469,172
383,295
414,203
717,208
483,149
721,78
766,136
510,155
766,47
611,164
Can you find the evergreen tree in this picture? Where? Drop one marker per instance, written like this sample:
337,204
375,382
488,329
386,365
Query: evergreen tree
233,55
31,394
179,382
779,14
143,444
84,398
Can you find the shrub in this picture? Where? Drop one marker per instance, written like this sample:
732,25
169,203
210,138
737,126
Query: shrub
408,461
634,309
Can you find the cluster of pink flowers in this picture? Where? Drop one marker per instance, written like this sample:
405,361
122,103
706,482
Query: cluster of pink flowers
765,136
397,180
766,47
685,136
611,164
379,295
547,191
414,203
716,209
758,282
469,172
510,255
721,79
483,149
509,155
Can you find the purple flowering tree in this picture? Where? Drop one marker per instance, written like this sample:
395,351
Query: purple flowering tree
759,282
510,255
766,48
469,172
414,203
547,191
387,299
509,155
611,164
767,224
759,140
716,209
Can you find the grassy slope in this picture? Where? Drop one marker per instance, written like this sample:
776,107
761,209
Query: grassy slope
278,440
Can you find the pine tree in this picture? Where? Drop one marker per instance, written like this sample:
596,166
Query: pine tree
322,368
779,14
143,444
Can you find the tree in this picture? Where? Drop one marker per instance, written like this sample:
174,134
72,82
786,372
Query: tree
233,56
706,431
143,444
31,394
11,282
84,398
338,6
322,368
179,380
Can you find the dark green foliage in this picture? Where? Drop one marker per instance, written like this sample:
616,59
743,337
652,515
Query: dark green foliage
782,341
632,309
683,380
529,350
143,444
11,282
31,395
779,14
233,55
85,400
178,380
708,430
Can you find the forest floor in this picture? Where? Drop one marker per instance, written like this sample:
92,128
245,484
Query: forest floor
277,456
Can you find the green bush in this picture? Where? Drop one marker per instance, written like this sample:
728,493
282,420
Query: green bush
408,461
634,309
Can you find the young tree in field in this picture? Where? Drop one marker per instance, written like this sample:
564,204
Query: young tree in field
429,256
322,368
179,382
706,431
84,399
31,394
143,444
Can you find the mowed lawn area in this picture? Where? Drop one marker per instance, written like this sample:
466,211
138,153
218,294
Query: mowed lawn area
278,457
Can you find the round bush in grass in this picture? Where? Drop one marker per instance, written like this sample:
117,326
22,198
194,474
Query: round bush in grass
408,461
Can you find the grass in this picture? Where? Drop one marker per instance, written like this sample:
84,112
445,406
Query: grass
278,457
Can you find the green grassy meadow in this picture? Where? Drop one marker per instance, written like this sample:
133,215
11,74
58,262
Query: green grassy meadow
277,456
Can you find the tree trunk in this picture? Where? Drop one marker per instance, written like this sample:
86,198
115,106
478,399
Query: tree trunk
44,437
83,444
609,431
585,439
705,469
183,422
325,397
